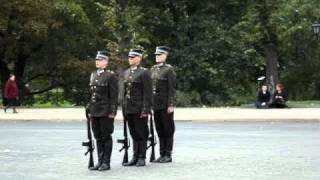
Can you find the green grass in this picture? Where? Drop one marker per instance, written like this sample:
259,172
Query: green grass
309,102
306,104
64,104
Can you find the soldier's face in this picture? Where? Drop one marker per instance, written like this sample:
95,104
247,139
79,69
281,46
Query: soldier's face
161,58
133,61
101,63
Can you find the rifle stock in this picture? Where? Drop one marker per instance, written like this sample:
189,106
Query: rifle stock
152,139
125,142
89,144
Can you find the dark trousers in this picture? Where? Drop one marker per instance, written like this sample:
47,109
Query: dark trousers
11,102
165,128
138,127
102,128
259,105
139,132
164,123
278,105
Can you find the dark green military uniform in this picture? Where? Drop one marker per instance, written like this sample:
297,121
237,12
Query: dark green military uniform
164,89
137,89
163,86
137,101
103,103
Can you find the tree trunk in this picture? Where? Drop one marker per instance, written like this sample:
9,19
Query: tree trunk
4,68
272,65
4,73
123,40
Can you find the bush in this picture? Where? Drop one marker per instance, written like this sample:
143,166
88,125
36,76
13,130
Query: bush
188,99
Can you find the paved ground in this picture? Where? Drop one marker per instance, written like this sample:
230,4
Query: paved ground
229,150
191,114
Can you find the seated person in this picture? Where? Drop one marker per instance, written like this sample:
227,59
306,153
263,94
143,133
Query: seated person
263,97
280,97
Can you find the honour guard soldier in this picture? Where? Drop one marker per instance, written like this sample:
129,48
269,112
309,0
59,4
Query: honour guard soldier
137,105
103,108
164,89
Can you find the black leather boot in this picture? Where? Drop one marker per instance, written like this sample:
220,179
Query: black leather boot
142,153
167,158
134,159
106,156
161,149
100,155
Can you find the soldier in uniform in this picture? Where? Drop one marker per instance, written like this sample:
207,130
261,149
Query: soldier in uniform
103,108
137,105
164,89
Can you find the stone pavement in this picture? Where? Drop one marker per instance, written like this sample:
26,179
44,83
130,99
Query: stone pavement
50,150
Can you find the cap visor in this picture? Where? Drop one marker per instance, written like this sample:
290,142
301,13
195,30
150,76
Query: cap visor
101,59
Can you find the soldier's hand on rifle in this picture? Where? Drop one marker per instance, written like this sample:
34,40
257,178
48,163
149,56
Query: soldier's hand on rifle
111,115
143,115
170,109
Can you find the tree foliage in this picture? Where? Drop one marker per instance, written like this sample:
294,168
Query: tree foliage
219,48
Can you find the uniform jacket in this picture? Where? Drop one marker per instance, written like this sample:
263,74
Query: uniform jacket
163,86
104,93
137,91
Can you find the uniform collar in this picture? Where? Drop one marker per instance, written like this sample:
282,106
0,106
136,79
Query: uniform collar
160,64
99,71
133,68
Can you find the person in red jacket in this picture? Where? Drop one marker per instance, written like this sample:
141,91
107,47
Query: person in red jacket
11,93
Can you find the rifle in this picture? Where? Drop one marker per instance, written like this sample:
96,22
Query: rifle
89,144
125,141
152,139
